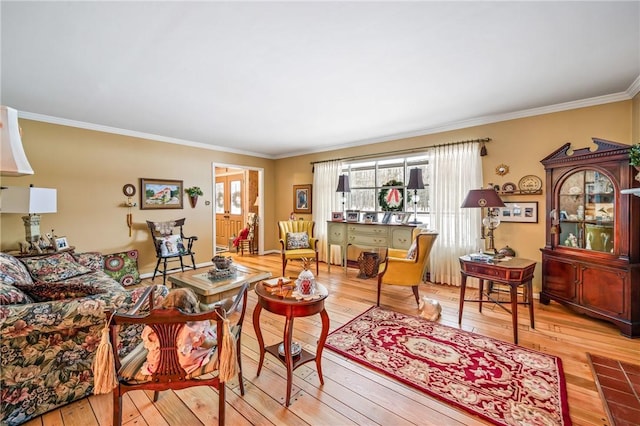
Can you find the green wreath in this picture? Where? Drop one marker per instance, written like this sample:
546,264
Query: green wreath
394,201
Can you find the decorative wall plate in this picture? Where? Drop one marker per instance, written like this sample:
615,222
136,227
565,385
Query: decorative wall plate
509,187
530,183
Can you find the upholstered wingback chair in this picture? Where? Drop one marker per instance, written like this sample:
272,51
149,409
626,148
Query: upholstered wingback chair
297,241
407,269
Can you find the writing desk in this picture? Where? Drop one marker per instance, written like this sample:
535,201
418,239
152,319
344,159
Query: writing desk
514,272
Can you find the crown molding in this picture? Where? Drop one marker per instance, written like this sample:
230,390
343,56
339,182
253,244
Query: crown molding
133,133
634,88
479,121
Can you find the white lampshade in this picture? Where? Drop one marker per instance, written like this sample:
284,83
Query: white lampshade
13,161
257,203
16,199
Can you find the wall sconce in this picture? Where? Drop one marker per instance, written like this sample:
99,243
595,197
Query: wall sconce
415,183
32,201
13,161
486,198
129,191
343,186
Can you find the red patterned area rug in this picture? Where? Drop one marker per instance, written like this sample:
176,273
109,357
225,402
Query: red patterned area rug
501,382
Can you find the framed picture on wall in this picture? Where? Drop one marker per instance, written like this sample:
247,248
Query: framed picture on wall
524,212
302,199
160,194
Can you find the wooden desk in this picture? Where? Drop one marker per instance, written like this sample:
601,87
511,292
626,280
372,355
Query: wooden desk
288,306
367,236
514,272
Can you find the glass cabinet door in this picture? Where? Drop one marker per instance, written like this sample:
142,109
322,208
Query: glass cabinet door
586,211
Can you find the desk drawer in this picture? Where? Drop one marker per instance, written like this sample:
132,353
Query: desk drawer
368,240
486,271
368,230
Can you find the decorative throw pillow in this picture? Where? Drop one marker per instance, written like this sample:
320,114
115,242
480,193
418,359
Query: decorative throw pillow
91,259
171,245
13,271
56,267
10,295
123,267
411,253
297,240
44,292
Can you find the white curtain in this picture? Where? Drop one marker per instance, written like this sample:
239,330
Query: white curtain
453,171
326,201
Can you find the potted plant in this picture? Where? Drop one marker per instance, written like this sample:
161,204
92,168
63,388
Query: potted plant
193,192
634,156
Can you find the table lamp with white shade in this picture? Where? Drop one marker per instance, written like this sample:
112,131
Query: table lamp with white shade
30,200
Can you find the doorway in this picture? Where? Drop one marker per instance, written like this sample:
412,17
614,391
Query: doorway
236,194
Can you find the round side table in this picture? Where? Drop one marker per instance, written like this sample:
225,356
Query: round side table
271,299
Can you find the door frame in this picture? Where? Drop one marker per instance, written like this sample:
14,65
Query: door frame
260,171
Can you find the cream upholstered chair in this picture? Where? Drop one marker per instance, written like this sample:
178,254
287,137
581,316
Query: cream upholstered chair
408,267
297,241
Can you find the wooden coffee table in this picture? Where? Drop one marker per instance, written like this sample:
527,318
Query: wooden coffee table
210,291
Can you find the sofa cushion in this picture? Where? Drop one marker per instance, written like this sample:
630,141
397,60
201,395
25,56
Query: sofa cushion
56,267
123,267
11,295
44,292
91,259
297,240
13,271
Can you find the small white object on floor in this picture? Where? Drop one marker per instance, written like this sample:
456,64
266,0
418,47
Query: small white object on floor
429,308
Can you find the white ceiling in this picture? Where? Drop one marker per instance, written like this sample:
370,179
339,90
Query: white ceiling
278,79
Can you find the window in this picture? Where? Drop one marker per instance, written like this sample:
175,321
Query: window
389,177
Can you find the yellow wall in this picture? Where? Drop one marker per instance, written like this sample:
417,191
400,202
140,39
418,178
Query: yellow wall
89,169
635,120
520,144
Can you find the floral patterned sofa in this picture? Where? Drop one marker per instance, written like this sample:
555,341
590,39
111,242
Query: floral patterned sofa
51,317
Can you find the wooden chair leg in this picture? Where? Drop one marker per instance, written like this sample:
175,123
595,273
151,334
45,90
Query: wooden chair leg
117,408
284,264
221,403
415,293
379,288
317,266
155,271
193,261
155,396
240,379
164,272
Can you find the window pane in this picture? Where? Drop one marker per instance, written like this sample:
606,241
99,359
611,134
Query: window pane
236,197
219,198
388,174
362,199
362,178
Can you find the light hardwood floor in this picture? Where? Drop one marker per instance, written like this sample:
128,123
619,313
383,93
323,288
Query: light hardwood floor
353,394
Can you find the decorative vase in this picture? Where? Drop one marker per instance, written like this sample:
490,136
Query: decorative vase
193,199
306,282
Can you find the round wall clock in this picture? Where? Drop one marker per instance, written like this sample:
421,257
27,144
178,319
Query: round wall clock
129,190
530,183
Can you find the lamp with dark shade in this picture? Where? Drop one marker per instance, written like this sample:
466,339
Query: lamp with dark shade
490,199
343,186
415,183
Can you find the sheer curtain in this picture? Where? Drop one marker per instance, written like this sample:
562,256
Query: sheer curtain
453,171
325,201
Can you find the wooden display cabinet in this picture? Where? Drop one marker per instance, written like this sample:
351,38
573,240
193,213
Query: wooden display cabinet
591,258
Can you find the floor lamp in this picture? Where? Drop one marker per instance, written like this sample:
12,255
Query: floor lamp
343,186
415,183
490,199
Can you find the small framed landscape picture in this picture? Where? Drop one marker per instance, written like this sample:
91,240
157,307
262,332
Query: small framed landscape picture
61,243
160,194
337,216
353,215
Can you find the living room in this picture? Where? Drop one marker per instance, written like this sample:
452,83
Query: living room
89,163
